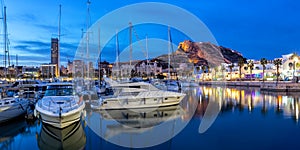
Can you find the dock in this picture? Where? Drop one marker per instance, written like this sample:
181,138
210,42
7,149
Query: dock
272,86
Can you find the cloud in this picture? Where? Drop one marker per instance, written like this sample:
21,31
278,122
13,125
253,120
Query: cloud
38,52
49,28
28,17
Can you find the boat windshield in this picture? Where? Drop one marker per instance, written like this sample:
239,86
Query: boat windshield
55,90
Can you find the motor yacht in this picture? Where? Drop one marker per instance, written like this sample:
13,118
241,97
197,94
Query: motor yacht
60,107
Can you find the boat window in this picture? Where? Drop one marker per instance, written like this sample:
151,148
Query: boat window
59,91
12,101
6,102
166,98
135,86
128,93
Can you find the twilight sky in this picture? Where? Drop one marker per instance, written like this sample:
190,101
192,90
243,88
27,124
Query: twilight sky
256,28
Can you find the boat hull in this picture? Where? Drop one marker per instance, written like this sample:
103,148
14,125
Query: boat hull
136,103
13,111
60,121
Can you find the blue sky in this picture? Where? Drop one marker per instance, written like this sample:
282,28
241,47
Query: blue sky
256,28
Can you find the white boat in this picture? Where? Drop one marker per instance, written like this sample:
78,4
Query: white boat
12,107
136,95
60,107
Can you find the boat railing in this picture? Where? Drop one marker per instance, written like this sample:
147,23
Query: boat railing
62,107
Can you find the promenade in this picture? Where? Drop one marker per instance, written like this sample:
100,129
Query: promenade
281,86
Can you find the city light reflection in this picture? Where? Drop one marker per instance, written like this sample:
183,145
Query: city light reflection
239,98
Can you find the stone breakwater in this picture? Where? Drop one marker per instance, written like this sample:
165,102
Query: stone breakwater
281,86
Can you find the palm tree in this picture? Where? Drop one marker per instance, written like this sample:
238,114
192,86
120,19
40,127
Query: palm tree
223,69
263,62
230,68
241,62
208,71
216,69
203,70
277,63
250,66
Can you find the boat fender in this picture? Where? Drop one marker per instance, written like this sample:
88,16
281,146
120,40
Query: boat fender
60,110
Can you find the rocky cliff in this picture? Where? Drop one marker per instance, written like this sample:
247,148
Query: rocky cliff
208,54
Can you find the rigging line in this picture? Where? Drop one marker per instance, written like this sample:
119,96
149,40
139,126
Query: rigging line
138,39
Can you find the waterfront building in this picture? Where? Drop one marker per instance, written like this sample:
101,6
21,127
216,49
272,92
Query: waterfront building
78,68
47,71
290,66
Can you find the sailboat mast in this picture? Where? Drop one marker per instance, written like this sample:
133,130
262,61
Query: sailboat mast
17,60
117,55
5,42
169,47
130,43
58,42
147,56
99,60
87,37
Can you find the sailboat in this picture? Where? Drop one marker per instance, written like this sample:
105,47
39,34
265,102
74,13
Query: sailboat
10,106
169,84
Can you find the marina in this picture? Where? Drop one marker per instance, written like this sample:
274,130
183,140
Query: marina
149,75
257,117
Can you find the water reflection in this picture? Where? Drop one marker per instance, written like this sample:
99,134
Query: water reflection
131,128
233,99
9,130
72,137
267,116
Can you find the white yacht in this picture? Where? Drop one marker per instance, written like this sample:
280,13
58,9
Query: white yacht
60,107
11,107
136,95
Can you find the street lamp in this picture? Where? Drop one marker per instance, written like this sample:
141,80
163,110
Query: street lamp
295,61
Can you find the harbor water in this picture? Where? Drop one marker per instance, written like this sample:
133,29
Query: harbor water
246,118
